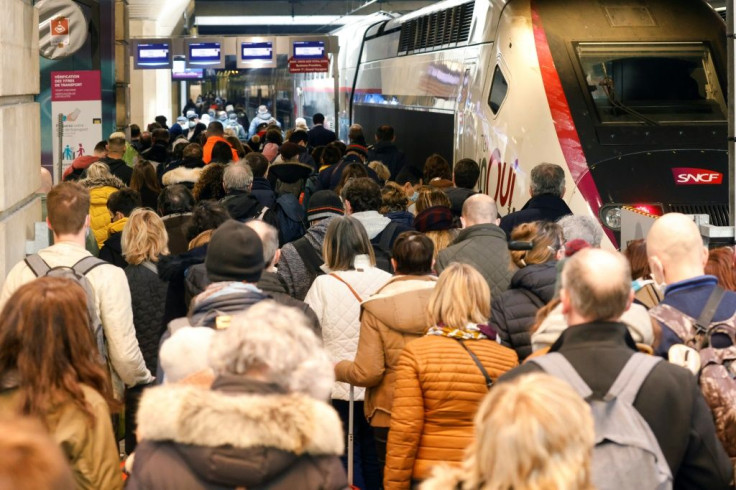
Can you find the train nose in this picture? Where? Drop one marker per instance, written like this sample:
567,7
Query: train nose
685,181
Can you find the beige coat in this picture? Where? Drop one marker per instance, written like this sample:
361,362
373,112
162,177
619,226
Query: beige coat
89,447
396,314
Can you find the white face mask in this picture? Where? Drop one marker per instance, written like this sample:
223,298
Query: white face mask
414,196
192,124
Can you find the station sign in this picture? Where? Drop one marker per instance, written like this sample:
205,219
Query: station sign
308,56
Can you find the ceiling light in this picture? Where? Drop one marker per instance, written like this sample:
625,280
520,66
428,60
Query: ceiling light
282,20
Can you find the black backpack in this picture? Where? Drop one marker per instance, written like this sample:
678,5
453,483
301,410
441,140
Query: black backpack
288,217
382,247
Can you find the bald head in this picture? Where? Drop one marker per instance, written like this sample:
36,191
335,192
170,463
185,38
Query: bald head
269,238
479,209
675,249
596,285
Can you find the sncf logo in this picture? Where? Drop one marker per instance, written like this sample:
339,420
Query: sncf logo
696,176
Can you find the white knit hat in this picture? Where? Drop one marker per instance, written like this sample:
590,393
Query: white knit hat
185,353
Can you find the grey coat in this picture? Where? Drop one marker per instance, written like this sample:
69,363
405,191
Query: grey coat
297,277
485,248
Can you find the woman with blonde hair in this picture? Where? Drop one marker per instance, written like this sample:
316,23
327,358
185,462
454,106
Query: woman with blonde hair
532,433
335,298
441,379
101,185
50,369
144,241
532,286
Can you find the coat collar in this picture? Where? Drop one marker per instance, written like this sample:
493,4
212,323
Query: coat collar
485,229
242,414
594,335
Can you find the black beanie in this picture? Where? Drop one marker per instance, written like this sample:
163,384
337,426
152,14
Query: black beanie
324,204
235,253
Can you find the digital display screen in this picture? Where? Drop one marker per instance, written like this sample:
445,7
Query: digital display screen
309,49
256,51
154,55
188,74
204,53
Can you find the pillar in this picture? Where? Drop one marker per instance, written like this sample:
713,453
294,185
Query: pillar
20,130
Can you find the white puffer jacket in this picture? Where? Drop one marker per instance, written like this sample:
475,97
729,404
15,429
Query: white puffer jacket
338,311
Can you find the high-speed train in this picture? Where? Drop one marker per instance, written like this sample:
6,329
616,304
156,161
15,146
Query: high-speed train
628,96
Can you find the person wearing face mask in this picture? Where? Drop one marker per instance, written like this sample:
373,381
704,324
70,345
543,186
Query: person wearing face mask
178,128
410,179
677,259
194,127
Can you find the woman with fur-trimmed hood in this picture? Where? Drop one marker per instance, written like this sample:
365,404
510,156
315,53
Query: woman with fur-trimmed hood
263,423
101,184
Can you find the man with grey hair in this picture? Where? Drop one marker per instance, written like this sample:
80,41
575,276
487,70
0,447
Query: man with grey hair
596,290
578,227
481,244
270,282
546,190
238,201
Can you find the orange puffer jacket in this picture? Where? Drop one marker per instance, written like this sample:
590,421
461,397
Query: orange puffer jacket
438,390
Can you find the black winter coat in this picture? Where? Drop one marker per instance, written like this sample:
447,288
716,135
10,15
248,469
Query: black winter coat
670,401
112,250
514,311
148,297
388,154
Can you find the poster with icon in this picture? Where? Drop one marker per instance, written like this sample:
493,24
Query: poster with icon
76,98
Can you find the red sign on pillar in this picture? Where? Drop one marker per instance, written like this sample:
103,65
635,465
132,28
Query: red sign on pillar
308,65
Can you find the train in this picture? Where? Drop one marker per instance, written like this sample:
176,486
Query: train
629,97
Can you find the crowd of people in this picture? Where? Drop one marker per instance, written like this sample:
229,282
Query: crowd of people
232,305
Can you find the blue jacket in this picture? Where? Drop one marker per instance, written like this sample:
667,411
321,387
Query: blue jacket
689,296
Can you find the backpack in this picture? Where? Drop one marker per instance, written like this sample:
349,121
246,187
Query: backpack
312,260
382,247
626,453
288,217
715,368
78,273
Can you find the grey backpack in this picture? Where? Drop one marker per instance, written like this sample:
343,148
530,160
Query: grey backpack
626,453
77,273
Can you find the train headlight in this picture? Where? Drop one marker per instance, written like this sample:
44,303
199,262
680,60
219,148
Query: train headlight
611,217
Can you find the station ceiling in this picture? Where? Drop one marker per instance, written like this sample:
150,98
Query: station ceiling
229,17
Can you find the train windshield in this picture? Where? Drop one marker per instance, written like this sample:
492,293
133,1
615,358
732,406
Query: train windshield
652,83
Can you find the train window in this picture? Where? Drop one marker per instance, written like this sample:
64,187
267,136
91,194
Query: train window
652,83
499,87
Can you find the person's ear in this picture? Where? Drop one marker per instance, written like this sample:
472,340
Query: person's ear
348,208
565,302
393,265
462,222
655,265
48,223
562,194
276,257
705,256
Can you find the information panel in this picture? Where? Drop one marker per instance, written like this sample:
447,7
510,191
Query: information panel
152,54
256,52
205,53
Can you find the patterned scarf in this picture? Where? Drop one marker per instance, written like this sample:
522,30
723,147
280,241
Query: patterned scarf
472,331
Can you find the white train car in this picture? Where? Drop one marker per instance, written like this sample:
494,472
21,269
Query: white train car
628,97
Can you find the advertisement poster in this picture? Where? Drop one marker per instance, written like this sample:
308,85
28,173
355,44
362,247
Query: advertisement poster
76,96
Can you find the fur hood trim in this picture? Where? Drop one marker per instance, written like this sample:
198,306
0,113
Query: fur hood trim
104,182
443,478
192,415
181,174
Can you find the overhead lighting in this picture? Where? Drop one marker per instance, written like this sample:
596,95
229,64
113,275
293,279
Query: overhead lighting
280,20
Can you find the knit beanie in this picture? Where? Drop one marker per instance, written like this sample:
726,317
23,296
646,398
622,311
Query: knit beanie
436,218
235,253
324,204
185,352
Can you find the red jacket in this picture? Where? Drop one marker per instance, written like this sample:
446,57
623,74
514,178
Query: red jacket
207,150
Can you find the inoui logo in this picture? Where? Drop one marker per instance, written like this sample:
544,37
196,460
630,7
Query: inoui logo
696,176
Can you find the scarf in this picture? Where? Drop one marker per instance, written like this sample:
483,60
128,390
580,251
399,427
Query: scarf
471,331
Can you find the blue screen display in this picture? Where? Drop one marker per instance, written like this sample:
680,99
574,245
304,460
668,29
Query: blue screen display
153,55
309,49
256,51
205,53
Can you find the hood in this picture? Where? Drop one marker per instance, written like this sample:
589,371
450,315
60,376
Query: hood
316,234
373,222
402,303
181,174
222,299
240,438
240,204
537,278
265,117
116,226
104,182
401,217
